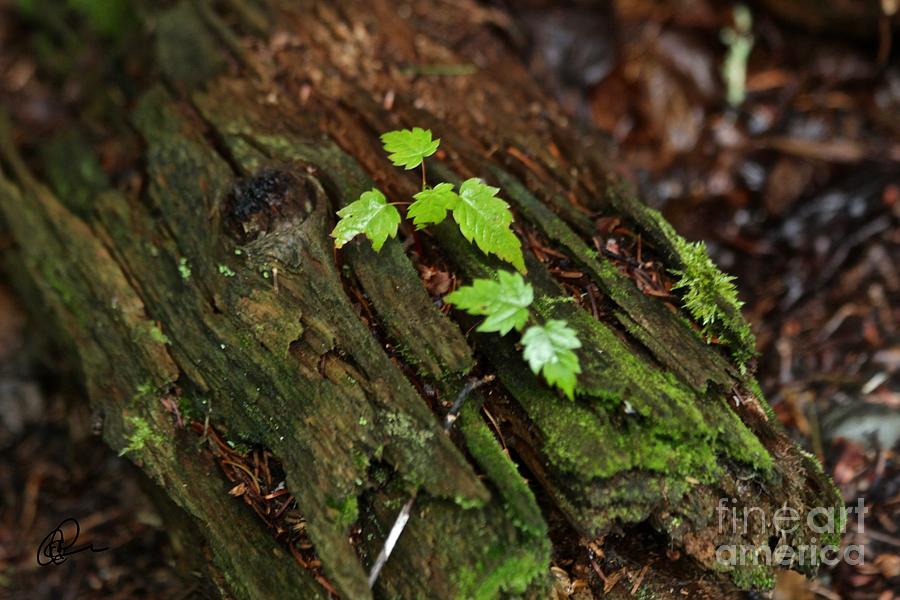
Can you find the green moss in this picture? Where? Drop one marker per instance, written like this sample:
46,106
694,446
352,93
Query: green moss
184,269
344,511
108,17
710,296
518,500
186,408
756,390
140,436
400,425
753,577
515,571
156,334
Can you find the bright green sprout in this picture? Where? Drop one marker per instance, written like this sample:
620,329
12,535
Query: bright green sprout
740,42
486,219
370,215
224,270
548,350
483,219
407,148
504,302
432,204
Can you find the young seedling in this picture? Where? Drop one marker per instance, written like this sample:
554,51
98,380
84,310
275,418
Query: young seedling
485,220
482,217
548,348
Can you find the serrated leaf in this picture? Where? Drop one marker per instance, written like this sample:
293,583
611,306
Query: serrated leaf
548,349
504,302
485,219
370,215
432,204
407,148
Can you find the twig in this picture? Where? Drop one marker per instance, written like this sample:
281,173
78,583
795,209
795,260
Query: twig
402,518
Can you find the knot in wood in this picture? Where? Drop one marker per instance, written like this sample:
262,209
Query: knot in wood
270,200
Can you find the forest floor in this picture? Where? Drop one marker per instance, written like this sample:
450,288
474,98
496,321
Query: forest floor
796,191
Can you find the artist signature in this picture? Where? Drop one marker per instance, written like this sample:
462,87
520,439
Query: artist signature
55,549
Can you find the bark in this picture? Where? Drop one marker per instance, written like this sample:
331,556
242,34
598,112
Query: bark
262,122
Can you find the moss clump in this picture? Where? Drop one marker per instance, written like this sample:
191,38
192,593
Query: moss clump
753,577
710,295
711,298
140,435
184,269
400,425
514,573
344,511
187,408
156,334
518,499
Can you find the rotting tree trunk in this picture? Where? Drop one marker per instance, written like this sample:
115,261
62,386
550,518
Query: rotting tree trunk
208,281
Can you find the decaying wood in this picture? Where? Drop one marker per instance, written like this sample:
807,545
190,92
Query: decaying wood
263,122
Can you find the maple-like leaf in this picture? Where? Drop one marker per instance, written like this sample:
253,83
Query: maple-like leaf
485,219
370,215
407,148
504,302
548,350
432,204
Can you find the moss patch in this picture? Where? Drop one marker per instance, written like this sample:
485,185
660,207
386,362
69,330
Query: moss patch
141,434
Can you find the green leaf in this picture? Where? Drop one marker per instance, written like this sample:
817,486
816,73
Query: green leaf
432,204
548,349
504,302
407,148
371,215
486,219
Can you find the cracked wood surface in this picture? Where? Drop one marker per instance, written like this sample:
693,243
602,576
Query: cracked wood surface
264,123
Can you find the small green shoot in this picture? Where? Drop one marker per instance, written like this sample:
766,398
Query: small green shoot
484,219
156,334
504,303
408,148
370,215
432,204
224,270
548,350
708,296
740,42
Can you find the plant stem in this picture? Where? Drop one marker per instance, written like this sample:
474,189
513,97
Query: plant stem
423,175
